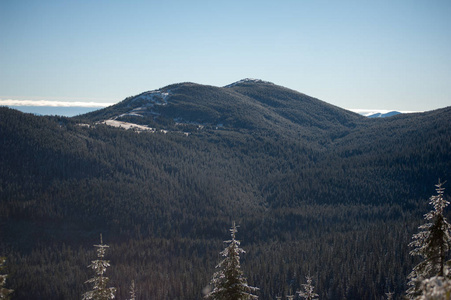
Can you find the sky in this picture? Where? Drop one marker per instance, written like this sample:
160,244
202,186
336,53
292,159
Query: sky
392,55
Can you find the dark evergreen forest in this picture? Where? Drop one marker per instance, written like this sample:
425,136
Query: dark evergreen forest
315,189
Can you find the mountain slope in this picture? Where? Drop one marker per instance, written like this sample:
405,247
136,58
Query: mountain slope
248,105
310,185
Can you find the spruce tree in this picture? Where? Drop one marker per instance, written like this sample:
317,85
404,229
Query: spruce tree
229,282
4,292
435,288
432,243
100,291
132,291
389,295
308,293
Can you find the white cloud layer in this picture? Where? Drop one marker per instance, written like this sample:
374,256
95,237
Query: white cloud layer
10,102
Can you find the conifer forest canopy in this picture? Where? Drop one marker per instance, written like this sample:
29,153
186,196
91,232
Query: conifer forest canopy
316,191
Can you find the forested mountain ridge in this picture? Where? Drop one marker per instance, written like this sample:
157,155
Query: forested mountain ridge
310,184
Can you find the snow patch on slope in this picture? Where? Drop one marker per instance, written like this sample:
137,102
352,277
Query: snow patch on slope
126,125
155,97
135,127
147,101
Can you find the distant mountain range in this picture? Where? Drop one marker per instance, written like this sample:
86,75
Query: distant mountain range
310,184
374,113
384,115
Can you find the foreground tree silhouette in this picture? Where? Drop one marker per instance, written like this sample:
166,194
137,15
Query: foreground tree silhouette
229,282
100,291
433,244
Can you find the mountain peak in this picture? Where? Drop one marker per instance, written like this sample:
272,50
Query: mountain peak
247,80
250,104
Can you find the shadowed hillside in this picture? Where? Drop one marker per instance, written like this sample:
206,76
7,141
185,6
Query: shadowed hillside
315,188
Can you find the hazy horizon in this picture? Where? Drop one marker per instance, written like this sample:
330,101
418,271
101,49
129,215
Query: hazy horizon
71,111
385,54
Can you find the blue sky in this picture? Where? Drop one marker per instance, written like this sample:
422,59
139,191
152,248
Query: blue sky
354,54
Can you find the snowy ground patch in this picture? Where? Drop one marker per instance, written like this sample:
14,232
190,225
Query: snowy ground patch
126,125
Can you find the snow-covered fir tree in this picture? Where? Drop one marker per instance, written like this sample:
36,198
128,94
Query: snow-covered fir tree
100,291
308,293
435,288
432,243
4,292
229,282
132,291
389,295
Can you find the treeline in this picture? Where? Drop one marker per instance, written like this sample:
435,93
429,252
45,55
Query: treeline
349,257
350,252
